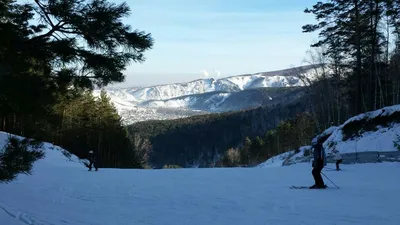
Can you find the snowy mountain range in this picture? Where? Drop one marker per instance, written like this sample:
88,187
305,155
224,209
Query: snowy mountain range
209,95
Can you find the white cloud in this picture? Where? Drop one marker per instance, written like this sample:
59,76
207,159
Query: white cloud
217,72
205,73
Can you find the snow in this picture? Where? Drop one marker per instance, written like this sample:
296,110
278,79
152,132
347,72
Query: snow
380,112
61,191
136,102
212,101
118,99
326,132
379,140
3,140
168,91
300,155
54,155
276,161
171,103
217,100
243,82
229,84
280,159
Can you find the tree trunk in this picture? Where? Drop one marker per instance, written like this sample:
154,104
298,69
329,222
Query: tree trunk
359,98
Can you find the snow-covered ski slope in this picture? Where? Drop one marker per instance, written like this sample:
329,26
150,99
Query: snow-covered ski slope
63,192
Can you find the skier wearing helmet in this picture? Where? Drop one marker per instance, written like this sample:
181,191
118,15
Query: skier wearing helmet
318,164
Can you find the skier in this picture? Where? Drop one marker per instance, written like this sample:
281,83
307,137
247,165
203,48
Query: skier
92,160
318,164
338,158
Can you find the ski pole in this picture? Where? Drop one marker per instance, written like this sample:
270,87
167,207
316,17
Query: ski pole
330,180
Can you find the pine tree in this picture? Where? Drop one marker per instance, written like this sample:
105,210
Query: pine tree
74,43
245,151
91,34
351,34
48,62
16,158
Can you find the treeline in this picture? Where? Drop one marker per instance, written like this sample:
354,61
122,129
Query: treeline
202,140
89,123
359,44
52,54
290,134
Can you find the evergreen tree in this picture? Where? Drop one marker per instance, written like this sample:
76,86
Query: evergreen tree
51,53
245,151
350,32
75,43
17,157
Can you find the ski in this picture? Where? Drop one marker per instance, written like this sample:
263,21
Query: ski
306,187
298,187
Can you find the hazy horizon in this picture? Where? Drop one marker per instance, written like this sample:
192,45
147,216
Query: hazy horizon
194,39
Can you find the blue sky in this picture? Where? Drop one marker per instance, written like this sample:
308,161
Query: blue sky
217,38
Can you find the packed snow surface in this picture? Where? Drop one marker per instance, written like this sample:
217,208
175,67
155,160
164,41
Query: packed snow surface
63,192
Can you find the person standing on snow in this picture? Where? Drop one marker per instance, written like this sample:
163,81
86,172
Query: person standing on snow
337,157
92,160
318,164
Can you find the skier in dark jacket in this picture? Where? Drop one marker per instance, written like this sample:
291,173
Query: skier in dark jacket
92,160
318,164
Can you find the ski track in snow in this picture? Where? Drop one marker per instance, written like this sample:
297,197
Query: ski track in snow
69,195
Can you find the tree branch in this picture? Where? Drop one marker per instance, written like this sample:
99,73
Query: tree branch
44,13
49,33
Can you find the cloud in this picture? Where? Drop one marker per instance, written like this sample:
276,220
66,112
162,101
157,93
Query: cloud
205,73
217,72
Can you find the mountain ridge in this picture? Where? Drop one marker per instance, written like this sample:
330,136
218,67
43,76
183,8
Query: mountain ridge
204,95
265,73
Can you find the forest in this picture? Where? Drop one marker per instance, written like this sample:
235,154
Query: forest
201,140
52,54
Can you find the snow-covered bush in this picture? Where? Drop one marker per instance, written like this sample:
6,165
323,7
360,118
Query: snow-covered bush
396,142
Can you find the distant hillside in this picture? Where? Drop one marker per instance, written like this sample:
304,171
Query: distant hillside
201,140
225,101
